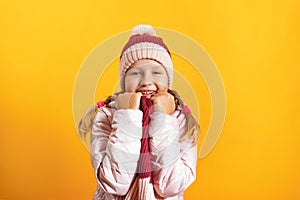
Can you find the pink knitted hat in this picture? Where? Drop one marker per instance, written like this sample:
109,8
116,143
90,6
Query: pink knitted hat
144,44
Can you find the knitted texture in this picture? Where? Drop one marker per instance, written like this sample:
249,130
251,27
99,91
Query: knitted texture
145,161
142,187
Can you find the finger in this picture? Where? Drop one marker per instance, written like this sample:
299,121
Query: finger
137,95
134,101
170,96
155,96
152,97
128,93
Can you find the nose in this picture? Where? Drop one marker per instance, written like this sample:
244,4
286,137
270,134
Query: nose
146,79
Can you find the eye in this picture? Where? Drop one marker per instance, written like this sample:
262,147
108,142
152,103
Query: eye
135,73
157,72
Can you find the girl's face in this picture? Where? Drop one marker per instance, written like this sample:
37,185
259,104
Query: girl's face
146,76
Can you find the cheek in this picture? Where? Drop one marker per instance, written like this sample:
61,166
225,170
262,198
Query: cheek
130,84
163,81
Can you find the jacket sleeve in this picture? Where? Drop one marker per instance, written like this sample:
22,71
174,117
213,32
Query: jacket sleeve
173,162
115,148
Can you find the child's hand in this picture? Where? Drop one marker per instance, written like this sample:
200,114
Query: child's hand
163,101
128,100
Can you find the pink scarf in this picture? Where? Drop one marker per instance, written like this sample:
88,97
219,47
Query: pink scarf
142,187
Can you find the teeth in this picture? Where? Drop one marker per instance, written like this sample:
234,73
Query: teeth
147,92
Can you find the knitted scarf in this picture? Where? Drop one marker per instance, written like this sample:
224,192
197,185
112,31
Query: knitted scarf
142,187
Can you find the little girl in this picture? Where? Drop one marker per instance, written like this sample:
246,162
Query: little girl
143,141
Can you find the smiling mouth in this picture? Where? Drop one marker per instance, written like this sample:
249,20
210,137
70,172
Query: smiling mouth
147,92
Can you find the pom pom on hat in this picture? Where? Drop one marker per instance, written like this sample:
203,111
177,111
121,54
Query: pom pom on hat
144,44
143,29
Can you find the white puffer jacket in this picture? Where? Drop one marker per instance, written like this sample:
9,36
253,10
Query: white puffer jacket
115,149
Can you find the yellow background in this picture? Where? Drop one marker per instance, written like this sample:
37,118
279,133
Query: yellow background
255,45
